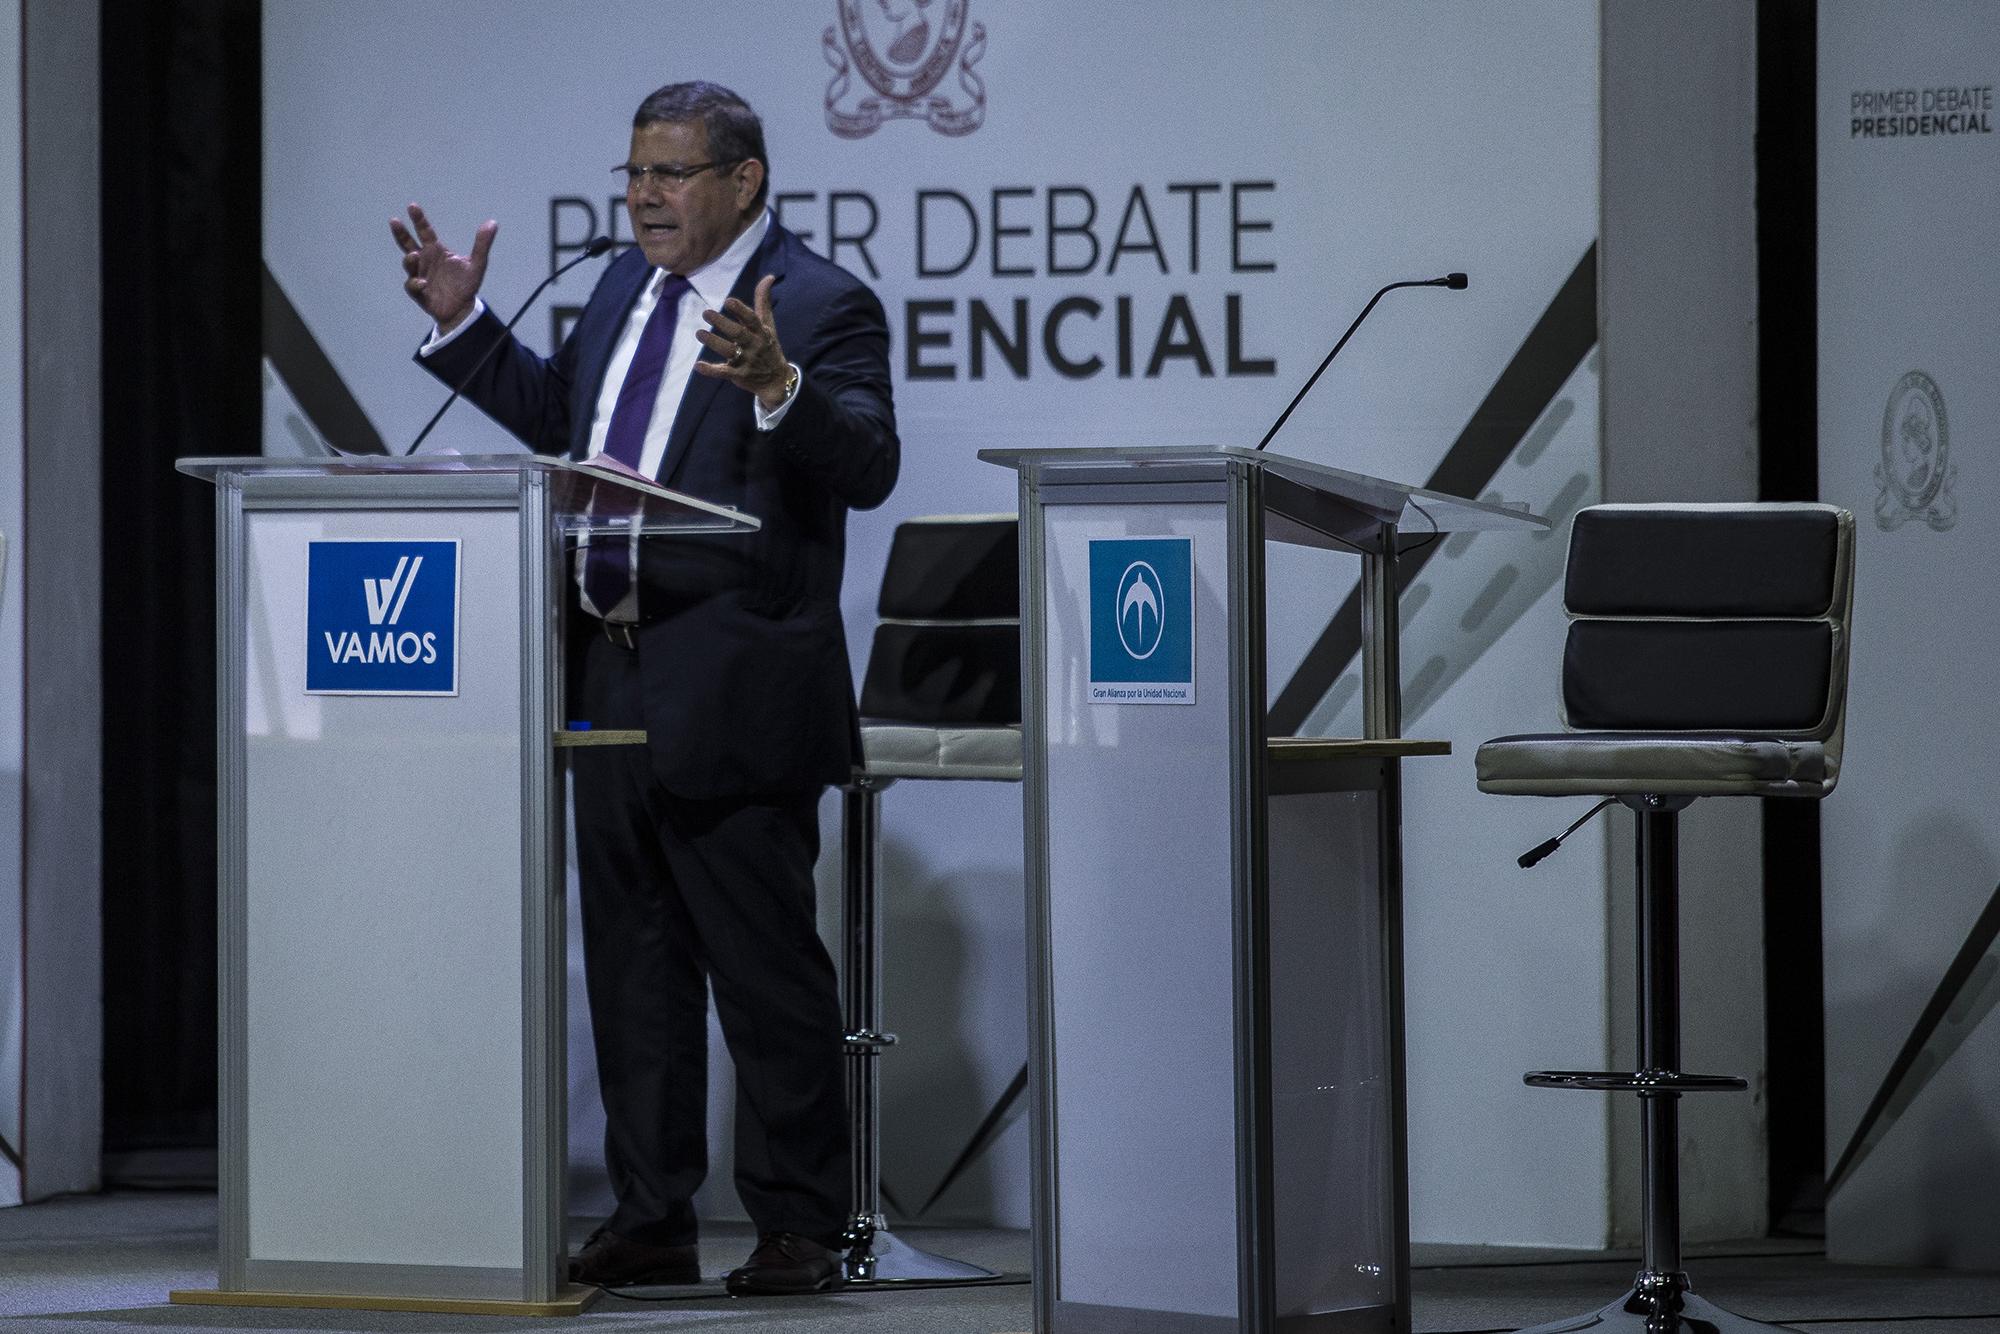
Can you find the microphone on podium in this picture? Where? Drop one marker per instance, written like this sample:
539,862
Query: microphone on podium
1454,281
598,245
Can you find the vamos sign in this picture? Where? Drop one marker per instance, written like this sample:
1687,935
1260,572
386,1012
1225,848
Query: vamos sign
382,618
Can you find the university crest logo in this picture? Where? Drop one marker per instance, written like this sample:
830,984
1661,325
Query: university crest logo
1915,473
903,50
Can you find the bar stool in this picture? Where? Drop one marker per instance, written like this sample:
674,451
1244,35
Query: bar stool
941,700
1706,657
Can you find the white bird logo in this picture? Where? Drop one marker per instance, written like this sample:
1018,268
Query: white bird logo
1137,597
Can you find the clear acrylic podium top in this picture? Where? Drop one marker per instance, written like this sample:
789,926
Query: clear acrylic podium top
1310,504
584,497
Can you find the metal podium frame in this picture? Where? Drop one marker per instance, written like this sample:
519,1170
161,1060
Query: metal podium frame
1265,497
549,499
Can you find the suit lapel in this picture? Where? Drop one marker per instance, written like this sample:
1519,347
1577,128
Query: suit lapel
626,280
702,390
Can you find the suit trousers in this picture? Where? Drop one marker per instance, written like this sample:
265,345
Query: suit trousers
679,896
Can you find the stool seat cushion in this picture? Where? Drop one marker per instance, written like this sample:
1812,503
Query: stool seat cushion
1700,764
910,750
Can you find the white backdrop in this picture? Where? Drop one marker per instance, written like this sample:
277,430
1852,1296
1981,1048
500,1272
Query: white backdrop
1358,143
1909,411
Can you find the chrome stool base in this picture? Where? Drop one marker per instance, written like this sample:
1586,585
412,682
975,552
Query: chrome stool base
884,1260
1634,1314
875,1256
1660,1300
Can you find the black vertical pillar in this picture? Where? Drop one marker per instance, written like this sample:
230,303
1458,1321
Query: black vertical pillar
182,251
1788,469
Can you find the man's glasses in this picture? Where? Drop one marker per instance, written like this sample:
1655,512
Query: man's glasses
672,177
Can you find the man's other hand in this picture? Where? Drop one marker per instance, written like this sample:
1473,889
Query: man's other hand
444,284
747,341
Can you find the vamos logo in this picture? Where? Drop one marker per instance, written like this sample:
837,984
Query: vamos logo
382,618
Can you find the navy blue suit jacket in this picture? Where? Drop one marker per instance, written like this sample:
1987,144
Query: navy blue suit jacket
748,686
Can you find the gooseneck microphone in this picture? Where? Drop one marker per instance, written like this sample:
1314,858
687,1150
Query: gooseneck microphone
597,246
1455,281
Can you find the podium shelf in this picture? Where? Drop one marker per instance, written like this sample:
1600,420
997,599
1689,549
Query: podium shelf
1309,748
1301,765
568,737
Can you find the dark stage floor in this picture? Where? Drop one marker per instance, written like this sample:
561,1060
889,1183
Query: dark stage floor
99,1264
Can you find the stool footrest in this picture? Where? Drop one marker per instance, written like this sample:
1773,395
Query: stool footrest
1635,1081
865,1040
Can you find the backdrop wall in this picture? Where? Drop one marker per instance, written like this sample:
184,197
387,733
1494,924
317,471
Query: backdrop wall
1113,229
51,1050
1679,322
1909,296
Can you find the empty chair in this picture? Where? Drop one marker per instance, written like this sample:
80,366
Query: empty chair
1706,657
941,699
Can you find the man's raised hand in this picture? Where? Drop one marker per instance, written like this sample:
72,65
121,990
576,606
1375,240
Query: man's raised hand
747,341
444,284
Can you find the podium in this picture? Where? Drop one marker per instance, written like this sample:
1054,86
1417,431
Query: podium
1215,956
391,872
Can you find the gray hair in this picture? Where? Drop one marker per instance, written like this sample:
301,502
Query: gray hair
735,134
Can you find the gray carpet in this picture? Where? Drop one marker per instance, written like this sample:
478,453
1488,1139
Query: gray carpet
102,1264
105,1263
1782,1283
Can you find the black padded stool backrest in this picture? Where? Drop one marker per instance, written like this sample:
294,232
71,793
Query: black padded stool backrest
1719,618
1706,656
948,648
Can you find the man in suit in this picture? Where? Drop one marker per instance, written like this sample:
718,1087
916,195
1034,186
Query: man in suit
724,359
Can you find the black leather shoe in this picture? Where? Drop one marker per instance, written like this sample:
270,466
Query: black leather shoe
786,1264
608,1260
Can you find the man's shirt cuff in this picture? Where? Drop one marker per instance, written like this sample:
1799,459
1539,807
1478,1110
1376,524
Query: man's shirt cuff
768,421
438,340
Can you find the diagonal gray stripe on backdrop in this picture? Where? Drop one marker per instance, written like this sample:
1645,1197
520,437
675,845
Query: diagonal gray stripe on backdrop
329,405
995,1120
1965,995
1502,424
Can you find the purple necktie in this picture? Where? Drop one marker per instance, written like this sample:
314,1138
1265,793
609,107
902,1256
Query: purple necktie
607,570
